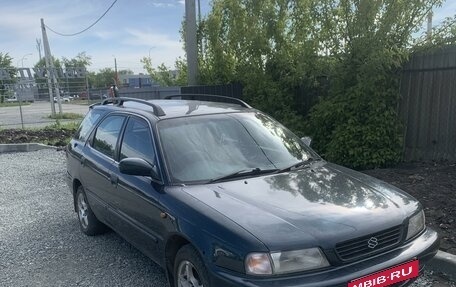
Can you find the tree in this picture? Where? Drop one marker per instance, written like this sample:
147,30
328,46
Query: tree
105,78
165,76
81,60
76,85
274,47
358,125
125,72
270,46
443,34
42,63
6,63
42,82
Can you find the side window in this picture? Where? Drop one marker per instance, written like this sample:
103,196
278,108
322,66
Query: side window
106,135
87,124
137,141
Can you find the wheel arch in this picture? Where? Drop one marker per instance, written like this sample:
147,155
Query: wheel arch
76,185
173,244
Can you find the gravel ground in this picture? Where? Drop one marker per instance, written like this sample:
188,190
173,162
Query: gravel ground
40,241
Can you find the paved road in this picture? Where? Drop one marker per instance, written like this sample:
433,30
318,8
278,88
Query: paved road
40,240
35,114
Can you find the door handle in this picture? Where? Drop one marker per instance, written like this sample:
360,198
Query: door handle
114,179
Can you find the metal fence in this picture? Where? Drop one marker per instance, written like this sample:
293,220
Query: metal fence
149,93
229,90
28,96
428,105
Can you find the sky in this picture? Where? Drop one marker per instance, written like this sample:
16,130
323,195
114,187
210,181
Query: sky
132,29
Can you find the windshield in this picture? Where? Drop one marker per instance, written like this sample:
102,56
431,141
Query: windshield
203,148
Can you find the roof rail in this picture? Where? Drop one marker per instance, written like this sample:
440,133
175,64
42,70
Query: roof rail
158,111
210,98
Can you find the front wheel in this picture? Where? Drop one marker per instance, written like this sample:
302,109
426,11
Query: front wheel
189,269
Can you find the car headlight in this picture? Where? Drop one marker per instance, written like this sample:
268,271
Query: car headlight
285,262
416,224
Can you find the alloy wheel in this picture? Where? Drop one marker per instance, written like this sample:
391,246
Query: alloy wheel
82,211
188,275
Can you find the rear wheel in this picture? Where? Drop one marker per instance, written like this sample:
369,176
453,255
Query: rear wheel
189,269
88,222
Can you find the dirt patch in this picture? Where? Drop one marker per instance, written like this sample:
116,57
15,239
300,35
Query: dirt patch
434,185
49,136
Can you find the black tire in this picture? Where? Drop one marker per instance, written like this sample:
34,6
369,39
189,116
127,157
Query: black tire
188,255
88,222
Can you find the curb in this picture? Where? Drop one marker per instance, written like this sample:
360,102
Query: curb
444,262
24,147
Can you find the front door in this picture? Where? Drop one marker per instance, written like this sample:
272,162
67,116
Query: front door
137,197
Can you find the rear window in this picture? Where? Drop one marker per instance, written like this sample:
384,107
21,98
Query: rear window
87,124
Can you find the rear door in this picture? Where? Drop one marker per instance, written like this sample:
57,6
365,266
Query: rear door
97,173
75,148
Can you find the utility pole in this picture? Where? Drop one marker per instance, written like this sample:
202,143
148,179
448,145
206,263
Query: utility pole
191,42
429,26
199,26
38,46
115,70
48,62
52,79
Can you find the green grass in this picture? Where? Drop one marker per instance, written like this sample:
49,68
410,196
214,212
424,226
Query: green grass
66,116
84,102
66,128
71,126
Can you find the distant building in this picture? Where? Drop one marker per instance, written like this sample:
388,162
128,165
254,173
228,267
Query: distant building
136,81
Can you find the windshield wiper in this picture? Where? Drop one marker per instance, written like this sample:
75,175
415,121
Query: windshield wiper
242,173
297,165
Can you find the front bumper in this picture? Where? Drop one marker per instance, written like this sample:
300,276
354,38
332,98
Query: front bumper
422,248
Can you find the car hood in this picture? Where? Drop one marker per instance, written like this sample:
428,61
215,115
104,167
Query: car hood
317,206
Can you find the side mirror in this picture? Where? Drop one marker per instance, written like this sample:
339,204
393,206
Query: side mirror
139,167
306,140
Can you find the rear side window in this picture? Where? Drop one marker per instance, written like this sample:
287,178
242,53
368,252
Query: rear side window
106,135
87,124
137,141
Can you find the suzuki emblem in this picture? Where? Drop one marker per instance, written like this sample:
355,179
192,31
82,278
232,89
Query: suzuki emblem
372,243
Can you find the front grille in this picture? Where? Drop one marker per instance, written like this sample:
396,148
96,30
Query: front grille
359,247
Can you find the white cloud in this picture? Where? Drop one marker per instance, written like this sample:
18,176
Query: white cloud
162,5
134,45
167,3
140,38
162,48
20,25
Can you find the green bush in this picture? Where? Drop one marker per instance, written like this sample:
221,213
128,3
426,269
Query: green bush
355,131
2,99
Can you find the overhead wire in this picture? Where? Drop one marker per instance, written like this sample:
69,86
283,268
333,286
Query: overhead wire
82,31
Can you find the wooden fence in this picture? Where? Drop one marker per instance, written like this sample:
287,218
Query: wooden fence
428,105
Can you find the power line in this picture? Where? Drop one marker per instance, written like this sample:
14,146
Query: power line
93,24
